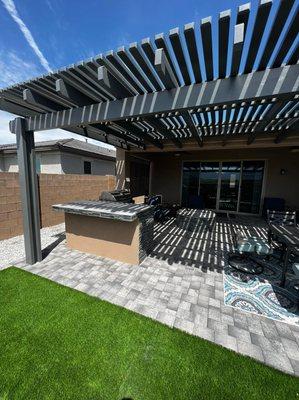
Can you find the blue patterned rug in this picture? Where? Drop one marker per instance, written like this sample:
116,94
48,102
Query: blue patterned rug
261,294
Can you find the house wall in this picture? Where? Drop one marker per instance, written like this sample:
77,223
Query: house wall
56,162
53,189
74,164
166,171
1,163
50,162
10,163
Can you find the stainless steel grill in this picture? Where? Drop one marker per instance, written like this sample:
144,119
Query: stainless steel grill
123,196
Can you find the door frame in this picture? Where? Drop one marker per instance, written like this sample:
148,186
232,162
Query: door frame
219,180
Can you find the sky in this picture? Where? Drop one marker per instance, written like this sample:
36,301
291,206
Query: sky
39,36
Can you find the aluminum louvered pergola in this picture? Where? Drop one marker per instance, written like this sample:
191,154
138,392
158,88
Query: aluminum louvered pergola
173,91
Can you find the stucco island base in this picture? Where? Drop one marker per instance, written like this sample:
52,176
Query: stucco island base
115,230
118,240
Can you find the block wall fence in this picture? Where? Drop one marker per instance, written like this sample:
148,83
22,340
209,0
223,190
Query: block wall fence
53,189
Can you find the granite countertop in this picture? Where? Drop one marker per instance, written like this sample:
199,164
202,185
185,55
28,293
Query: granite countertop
105,209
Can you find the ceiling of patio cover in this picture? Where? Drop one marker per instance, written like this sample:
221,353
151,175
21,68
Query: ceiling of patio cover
203,56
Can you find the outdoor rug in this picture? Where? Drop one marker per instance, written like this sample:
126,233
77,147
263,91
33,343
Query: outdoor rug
261,294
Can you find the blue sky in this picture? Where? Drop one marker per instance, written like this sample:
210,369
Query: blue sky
41,35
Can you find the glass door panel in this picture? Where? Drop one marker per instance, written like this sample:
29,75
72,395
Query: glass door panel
190,183
229,186
209,176
251,187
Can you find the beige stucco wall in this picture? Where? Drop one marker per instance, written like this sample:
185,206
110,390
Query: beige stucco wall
118,240
166,171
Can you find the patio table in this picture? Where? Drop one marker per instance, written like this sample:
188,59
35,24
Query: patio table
192,219
289,237
115,230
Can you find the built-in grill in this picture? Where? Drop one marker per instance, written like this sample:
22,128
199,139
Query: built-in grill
123,196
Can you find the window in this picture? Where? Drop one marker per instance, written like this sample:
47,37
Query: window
87,167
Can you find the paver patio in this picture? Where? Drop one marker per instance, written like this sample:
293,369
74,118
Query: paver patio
180,284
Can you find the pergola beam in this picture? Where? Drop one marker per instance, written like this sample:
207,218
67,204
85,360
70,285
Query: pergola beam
281,81
111,84
32,97
164,69
71,93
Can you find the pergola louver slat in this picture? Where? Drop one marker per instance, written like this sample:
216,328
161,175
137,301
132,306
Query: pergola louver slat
239,33
148,49
161,128
261,19
206,35
137,55
175,40
193,52
294,57
268,117
161,44
190,123
79,85
126,60
282,14
111,57
287,41
223,37
120,135
139,133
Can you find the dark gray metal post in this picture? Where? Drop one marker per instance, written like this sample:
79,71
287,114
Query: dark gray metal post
29,191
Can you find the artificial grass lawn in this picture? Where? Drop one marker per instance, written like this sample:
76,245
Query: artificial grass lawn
58,343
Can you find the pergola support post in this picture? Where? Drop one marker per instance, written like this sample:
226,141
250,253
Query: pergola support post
29,191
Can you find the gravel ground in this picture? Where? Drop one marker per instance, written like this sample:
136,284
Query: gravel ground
12,250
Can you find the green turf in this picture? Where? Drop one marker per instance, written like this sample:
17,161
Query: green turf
57,343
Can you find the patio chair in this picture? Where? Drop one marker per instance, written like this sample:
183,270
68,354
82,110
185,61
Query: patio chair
247,250
295,267
161,214
283,218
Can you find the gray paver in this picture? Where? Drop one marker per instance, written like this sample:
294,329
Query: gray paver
178,295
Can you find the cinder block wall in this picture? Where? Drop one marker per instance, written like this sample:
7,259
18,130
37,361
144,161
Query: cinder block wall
53,189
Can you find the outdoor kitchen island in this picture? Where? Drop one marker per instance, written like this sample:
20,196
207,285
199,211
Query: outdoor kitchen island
115,230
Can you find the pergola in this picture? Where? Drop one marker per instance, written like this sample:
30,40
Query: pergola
175,90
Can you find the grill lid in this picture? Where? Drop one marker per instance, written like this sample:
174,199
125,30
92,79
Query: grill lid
117,195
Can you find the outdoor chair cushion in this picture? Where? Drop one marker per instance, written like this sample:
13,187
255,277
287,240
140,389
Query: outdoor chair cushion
252,245
296,269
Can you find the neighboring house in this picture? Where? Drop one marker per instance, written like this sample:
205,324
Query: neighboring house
65,156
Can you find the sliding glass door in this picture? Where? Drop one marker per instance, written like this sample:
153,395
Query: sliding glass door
233,186
229,186
208,182
251,191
